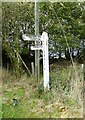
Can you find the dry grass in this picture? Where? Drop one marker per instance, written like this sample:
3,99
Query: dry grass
34,103
0,93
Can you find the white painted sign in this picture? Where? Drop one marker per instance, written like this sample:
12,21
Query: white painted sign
30,38
44,48
36,48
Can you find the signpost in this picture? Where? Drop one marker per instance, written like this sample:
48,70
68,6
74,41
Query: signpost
44,39
44,47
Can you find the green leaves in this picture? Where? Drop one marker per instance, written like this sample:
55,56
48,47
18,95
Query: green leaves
62,20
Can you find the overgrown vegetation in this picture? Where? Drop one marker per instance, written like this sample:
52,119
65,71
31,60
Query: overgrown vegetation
65,24
33,102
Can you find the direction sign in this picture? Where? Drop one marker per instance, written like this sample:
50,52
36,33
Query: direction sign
44,47
31,37
36,48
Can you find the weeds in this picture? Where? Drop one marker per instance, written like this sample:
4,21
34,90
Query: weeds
33,102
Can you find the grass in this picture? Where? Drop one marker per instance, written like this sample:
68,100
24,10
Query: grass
33,102
0,94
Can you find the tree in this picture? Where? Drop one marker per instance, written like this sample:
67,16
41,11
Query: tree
15,22
64,22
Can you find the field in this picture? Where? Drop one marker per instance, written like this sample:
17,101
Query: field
63,100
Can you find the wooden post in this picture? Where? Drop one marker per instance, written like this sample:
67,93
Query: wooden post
36,42
84,71
44,39
44,48
32,65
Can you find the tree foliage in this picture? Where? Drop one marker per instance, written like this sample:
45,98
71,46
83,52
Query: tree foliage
64,22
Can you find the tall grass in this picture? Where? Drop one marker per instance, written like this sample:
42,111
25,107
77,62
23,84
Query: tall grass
0,93
68,80
66,85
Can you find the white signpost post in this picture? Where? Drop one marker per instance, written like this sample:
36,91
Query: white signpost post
44,39
44,48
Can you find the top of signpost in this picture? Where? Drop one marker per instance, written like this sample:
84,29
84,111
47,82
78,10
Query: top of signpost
44,36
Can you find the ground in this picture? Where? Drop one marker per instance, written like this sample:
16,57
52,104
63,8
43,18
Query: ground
33,102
